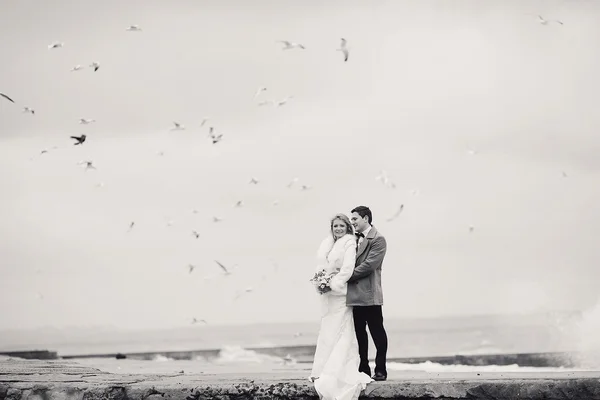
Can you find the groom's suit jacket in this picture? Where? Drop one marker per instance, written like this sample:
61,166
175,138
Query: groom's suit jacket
364,286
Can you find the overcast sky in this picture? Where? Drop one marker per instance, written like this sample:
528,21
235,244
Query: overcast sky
425,82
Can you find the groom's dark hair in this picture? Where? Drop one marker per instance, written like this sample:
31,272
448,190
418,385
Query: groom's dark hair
362,211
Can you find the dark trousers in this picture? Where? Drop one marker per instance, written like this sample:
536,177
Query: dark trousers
373,317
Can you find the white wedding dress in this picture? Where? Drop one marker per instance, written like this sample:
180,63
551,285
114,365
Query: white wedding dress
336,358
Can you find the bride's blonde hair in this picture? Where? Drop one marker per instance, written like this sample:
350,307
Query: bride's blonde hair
345,219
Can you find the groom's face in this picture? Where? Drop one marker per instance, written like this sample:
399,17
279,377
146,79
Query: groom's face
359,223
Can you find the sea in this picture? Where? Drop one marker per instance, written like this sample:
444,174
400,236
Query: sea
271,346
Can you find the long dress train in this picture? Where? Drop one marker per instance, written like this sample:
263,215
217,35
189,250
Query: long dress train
336,357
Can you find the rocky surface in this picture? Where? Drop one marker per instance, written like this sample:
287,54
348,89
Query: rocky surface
63,380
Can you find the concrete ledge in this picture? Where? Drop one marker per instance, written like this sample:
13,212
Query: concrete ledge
61,380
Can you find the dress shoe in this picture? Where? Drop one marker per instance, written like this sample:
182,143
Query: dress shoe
379,376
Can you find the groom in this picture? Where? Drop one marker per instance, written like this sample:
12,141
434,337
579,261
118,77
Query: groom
365,294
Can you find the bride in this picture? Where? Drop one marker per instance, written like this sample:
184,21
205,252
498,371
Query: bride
335,366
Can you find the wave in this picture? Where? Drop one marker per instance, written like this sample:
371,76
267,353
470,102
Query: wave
429,366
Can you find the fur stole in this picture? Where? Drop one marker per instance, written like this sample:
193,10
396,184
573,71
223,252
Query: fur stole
330,255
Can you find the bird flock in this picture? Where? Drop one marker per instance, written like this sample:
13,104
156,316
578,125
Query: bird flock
216,137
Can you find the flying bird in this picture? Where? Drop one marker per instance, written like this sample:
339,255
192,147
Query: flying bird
131,226
471,151
282,102
88,164
344,49
217,219
76,68
134,28
85,121
215,138
239,294
56,45
543,21
253,181
393,217
203,122
195,321
289,185
191,268
195,233
95,65
28,110
383,177
259,91
227,272
291,45
79,139
7,98
178,126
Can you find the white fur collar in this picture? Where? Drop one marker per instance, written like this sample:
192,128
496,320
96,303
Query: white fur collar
331,251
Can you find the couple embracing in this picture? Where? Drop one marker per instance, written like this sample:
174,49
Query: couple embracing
353,254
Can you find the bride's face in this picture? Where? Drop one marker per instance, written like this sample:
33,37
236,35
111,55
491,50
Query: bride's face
339,228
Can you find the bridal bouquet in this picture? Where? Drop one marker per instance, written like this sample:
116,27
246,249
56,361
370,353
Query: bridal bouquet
321,280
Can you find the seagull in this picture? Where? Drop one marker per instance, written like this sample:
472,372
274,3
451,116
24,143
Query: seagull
44,151
259,91
291,45
95,65
227,272
344,49
247,290
191,268
203,122
239,203
84,121
253,181
178,126
80,139
289,185
55,45
282,102
276,202
131,226
564,174
383,177
215,138
195,321
195,233
471,228
471,152
28,110
393,217
545,21
88,164
76,68
305,187
134,28
217,219
7,98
